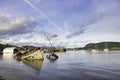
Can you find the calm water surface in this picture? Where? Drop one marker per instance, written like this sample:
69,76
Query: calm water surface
72,65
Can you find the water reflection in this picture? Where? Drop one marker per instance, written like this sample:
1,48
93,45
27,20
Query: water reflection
36,64
74,65
23,70
1,57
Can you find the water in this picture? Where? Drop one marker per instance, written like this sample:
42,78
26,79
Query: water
72,65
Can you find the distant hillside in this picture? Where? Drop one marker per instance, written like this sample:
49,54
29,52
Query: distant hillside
75,49
102,45
99,46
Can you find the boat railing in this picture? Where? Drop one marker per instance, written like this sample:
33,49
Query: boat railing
30,52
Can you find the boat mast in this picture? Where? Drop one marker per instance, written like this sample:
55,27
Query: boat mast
106,45
49,41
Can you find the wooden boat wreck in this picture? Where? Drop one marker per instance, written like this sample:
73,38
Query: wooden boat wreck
32,54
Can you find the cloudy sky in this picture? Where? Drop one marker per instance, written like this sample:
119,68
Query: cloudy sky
68,23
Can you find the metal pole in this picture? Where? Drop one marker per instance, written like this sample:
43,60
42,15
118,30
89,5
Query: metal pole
50,44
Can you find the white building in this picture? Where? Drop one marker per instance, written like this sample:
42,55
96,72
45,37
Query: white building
9,50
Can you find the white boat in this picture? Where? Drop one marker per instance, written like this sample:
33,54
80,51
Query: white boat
106,48
94,50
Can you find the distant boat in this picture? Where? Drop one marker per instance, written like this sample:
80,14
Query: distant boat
95,50
106,48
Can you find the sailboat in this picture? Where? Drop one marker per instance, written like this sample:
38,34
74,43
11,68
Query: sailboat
95,50
52,56
106,48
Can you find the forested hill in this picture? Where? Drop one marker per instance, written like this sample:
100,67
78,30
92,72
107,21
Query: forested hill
99,46
102,45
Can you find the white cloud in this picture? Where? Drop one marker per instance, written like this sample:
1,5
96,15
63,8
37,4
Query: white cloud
107,29
10,26
97,22
104,5
4,18
110,10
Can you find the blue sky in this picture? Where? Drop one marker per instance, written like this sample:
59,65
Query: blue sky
68,23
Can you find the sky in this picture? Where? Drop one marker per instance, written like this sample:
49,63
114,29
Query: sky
67,23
